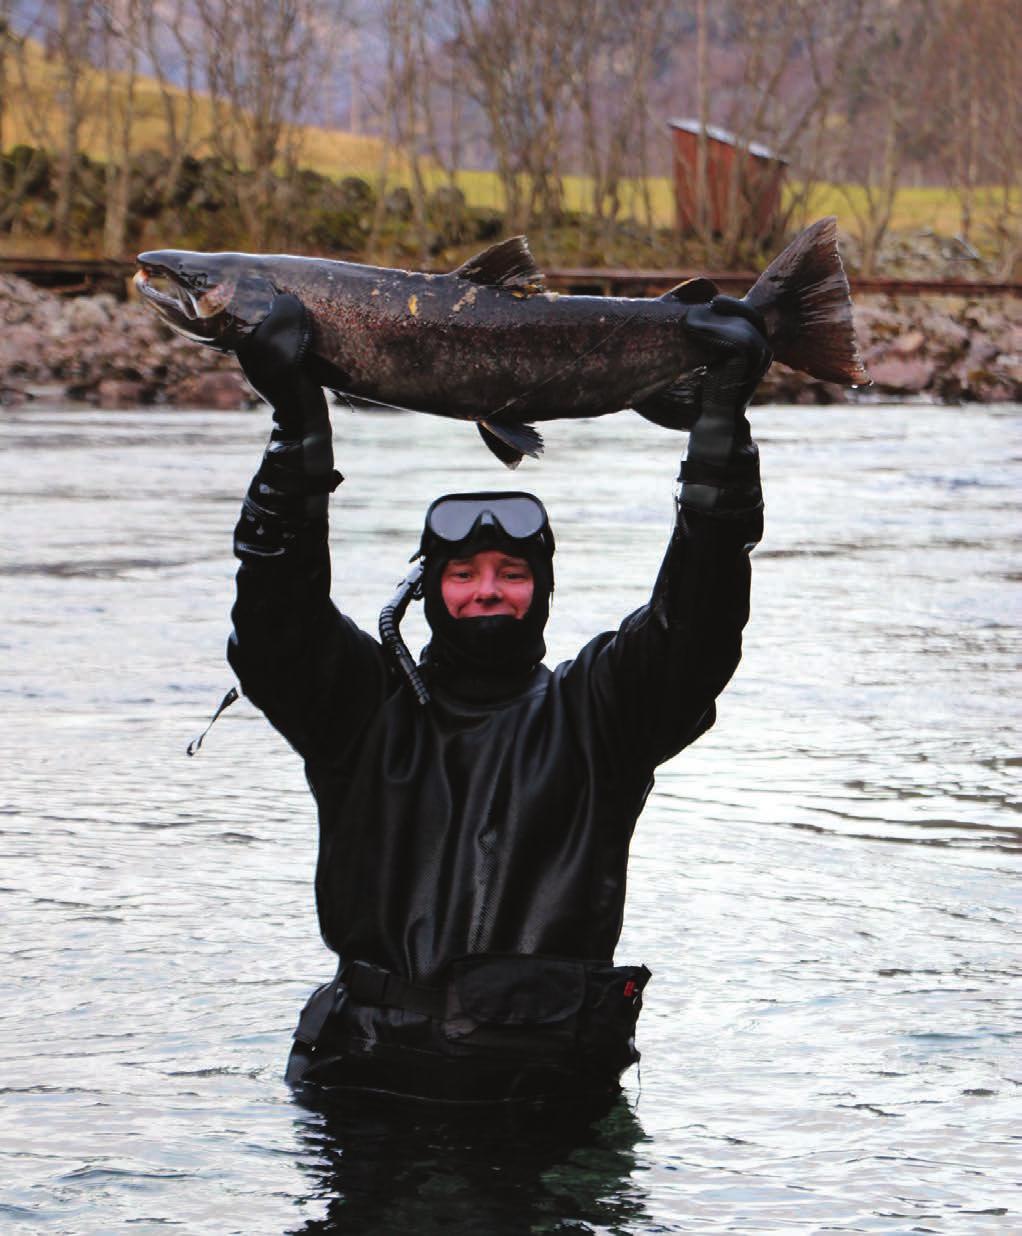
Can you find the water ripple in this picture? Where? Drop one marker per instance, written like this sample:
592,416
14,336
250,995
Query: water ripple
825,886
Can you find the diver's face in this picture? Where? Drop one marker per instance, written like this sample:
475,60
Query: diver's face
487,585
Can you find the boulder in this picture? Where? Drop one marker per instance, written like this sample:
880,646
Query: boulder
120,393
982,350
20,353
982,316
993,386
902,377
1011,339
89,313
398,204
1010,365
784,385
909,344
12,396
874,322
21,301
357,195
945,337
222,391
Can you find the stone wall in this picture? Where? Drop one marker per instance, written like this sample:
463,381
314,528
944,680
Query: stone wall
943,349
105,352
113,354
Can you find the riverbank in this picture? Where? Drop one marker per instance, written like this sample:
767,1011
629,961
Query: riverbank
113,354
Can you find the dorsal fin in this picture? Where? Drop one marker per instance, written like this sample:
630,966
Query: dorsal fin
697,291
507,265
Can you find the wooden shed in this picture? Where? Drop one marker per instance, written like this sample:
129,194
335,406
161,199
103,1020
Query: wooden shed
757,173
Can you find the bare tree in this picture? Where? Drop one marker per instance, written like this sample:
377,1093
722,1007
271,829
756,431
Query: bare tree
119,41
971,86
53,104
408,103
259,57
383,105
442,100
70,39
516,57
767,74
5,45
20,178
169,37
1003,155
882,117
614,60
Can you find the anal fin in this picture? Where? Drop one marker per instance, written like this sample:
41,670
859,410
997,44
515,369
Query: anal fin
510,440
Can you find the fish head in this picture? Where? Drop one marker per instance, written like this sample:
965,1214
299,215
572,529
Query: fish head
214,298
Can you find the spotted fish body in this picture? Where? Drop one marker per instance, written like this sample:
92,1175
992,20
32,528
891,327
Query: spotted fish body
489,343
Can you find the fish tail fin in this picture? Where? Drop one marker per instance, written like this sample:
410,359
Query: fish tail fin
806,303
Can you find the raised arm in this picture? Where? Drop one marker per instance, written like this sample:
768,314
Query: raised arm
651,685
312,671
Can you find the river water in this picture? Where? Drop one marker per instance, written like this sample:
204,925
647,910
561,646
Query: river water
825,886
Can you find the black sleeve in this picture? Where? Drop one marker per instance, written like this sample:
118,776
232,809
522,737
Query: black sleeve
650,687
315,675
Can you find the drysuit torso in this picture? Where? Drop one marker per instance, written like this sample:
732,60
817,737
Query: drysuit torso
494,825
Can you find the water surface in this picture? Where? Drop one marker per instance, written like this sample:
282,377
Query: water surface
825,886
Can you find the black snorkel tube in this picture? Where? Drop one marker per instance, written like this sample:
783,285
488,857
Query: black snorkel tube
390,634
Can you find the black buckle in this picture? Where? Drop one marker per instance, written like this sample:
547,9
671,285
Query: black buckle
273,479
367,984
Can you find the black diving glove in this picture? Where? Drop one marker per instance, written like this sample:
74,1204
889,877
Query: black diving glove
297,473
721,469
271,356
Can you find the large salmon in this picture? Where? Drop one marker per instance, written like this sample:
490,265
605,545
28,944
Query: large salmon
488,343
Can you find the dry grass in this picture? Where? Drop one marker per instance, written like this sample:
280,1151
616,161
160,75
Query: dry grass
915,209
33,116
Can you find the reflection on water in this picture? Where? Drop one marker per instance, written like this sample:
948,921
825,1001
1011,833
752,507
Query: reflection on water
825,886
402,1170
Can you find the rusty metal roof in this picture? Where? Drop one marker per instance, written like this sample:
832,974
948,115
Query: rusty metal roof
729,139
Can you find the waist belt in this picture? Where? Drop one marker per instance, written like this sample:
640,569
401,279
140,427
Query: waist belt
368,984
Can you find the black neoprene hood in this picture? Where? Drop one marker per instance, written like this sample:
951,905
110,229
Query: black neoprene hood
499,644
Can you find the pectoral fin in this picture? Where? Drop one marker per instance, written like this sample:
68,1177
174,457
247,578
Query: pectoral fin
676,406
510,440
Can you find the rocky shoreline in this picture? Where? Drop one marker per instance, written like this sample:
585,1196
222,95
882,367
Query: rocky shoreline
114,354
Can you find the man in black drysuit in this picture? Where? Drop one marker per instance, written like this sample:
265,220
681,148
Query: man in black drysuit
473,850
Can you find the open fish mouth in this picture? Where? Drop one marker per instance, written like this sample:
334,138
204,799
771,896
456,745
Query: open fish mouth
178,302
195,315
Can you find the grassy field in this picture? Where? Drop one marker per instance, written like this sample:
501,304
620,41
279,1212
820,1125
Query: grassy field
32,116
915,208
